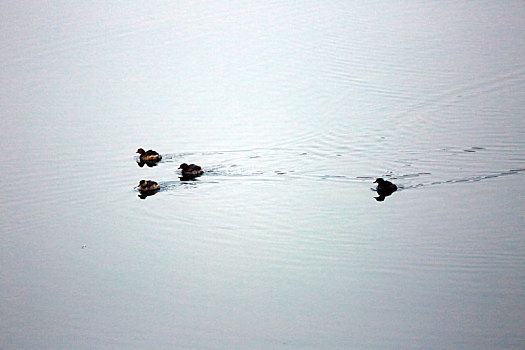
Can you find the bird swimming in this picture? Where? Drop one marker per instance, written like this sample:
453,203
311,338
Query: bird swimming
149,156
384,189
385,186
191,170
148,186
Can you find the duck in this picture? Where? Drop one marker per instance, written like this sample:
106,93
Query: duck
148,186
148,156
385,186
191,170
384,189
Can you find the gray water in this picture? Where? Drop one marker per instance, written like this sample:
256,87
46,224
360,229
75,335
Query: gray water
293,109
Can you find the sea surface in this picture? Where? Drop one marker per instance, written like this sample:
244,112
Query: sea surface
293,109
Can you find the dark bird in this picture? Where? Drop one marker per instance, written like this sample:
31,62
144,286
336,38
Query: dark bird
383,185
148,186
149,156
191,170
384,189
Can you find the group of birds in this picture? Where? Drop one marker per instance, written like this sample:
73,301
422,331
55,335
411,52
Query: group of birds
384,188
151,157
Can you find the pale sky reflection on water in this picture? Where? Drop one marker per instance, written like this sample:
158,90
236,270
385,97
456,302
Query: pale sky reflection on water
292,110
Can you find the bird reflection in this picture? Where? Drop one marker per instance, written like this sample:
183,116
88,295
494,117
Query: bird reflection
384,189
144,195
187,178
382,195
141,163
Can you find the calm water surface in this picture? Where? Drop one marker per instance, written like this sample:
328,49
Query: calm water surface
292,110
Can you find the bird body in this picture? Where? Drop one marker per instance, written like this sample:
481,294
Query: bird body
385,186
384,189
191,170
148,156
148,186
